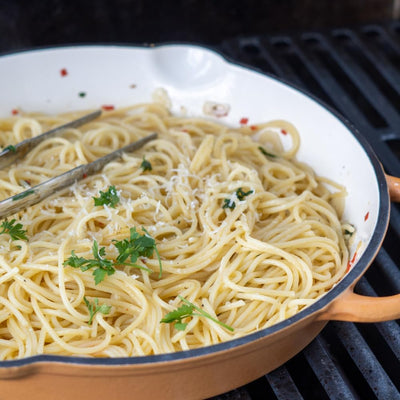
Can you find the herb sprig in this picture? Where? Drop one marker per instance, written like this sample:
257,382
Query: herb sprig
109,198
136,246
15,230
187,310
95,307
101,265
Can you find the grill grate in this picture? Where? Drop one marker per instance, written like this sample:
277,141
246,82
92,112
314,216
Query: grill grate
357,72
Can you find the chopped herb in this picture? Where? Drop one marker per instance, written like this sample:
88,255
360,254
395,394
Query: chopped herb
95,308
10,148
15,231
146,165
23,195
187,310
102,266
347,232
82,94
133,248
241,194
229,203
265,152
137,246
109,198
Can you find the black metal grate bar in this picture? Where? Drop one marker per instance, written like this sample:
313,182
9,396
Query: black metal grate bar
332,378
357,71
366,361
282,384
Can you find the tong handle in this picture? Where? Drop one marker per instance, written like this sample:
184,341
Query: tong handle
39,192
11,154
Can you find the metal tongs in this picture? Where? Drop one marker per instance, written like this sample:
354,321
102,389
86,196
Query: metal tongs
39,192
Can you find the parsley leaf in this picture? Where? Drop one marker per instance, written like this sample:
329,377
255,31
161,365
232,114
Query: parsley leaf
137,246
94,308
178,315
15,231
146,165
102,266
109,198
187,310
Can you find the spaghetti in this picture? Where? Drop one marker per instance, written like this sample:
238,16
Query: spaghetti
244,231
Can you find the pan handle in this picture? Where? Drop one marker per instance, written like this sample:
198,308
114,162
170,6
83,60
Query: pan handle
357,308
394,187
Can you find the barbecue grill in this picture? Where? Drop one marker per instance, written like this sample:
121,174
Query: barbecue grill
357,72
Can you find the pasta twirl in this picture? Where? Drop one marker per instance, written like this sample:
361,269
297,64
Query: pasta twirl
244,231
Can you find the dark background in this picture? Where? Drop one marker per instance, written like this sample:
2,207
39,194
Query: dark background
25,24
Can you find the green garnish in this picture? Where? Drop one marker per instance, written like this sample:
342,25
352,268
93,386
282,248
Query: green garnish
101,265
109,198
137,246
15,231
146,165
10,148
228,203
265,152
133,248
240,194
23,194
347,232
95,308
187,310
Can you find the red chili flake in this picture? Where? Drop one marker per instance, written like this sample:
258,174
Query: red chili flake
366,216
244,121
253,127
348,267
84,176
107,107
64,72
354,258
14,112
283,131
351,262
